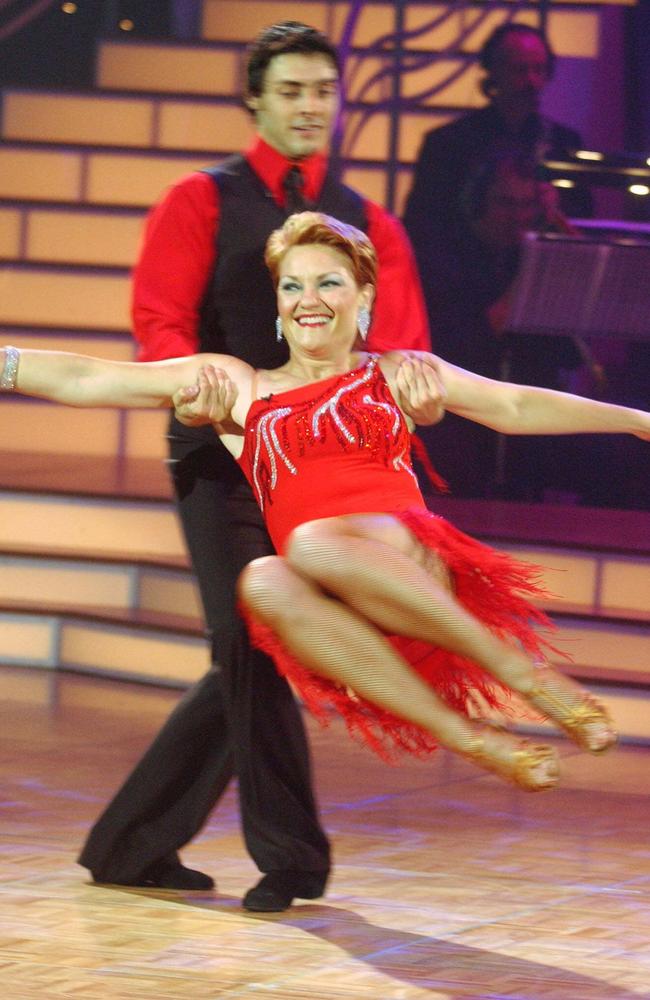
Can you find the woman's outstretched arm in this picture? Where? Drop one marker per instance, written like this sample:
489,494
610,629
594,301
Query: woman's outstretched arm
524,409
79,380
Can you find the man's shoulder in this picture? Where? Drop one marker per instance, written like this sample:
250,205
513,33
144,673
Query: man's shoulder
467,127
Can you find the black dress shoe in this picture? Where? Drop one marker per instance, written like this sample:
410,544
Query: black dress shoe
277,890
165,875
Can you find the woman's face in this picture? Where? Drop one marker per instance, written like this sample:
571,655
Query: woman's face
319,299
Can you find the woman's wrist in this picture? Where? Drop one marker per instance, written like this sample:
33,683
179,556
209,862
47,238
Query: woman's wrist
9,371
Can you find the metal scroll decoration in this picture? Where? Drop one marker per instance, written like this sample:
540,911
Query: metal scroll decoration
398,61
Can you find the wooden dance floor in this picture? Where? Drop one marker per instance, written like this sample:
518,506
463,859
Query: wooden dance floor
447,884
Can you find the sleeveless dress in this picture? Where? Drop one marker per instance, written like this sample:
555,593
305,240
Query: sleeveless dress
342,446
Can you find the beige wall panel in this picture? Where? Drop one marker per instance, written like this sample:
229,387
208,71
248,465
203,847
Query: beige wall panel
169,594
145,432
37,174
181,70
374,20
158,658
98,301
83,238
65,118
371,143
72,583
10,234
134,180
567,577
115,349
25,639
203,126
10,225
77,525
241,20
605,647
575,33
60,430
412,129
371,183
625,585
450,90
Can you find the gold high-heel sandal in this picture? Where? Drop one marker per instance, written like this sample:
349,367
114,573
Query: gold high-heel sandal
572,708
531,766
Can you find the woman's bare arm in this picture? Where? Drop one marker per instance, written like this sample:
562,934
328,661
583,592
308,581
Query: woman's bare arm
522,409
79,380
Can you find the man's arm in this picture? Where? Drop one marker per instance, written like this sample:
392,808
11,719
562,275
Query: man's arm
399,317
175,263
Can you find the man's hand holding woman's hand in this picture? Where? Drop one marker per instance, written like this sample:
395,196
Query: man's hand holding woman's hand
209,401
422,392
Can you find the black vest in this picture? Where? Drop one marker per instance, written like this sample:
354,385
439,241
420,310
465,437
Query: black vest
238,311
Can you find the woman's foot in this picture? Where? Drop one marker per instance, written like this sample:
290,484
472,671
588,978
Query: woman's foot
573,709
531,766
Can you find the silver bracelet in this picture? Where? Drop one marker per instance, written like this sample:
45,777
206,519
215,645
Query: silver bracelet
10,370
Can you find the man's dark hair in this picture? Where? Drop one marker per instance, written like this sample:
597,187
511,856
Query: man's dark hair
284,38
489,54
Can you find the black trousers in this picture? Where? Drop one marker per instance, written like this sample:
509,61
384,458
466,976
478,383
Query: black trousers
239,719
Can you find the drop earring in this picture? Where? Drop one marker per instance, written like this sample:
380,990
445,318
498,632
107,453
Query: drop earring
363,321
278,329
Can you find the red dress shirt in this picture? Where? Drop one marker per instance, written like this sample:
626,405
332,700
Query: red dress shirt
178,254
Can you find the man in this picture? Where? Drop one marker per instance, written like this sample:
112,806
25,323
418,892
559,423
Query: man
468,276
201,284
518,63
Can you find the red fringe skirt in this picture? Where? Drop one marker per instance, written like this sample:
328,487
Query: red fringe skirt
491,585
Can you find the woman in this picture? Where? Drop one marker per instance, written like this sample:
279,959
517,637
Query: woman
375,605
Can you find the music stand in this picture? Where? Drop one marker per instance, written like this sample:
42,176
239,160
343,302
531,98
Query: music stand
582,287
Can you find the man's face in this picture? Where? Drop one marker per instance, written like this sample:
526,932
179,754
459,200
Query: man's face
512,208
297,109
520,73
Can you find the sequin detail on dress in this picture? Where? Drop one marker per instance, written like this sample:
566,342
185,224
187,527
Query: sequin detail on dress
342,416
266,434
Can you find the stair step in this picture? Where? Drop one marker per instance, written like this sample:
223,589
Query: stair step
101,119
74,524
168,649
83,175
59,296
168,66
123,589
65,234
153,649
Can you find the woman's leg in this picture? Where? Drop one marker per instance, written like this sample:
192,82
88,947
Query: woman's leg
376,566
337,642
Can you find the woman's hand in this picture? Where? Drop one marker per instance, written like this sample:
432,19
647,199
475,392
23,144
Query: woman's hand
209,401
422,392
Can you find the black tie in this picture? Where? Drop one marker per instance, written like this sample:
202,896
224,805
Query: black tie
293,184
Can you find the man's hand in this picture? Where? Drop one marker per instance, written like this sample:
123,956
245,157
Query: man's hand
422,393
209,401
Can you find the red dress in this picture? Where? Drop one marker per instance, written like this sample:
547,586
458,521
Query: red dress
341,446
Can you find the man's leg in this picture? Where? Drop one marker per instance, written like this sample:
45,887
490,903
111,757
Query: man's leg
168,796
241,712
279,815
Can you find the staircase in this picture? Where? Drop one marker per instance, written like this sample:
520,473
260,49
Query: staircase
94,574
